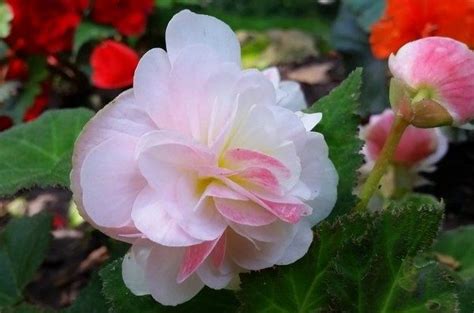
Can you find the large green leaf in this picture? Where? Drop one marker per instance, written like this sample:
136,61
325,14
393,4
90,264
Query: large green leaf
378,274
23,246
39,153
301,287
459,244
26,308
123,301
340,129
359,263
466,297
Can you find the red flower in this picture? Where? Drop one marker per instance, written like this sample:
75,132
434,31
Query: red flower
113,65
17,69
5,122
409,20
59,222
128,16
38,106
44,26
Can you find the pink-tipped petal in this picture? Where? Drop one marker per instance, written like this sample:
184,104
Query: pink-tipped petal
194,256
244,212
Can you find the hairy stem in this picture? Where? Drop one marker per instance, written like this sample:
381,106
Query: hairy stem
380,167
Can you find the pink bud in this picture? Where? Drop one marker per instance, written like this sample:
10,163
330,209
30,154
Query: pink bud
419,148
437,76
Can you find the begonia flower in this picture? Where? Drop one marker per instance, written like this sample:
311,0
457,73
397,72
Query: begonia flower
409,20
200,169
113,65
419,148
128,16
433,82
44,26
289,94
17,69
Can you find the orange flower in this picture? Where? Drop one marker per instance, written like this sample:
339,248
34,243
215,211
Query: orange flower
409,20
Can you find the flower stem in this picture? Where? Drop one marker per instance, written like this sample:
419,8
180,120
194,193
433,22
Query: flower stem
380,167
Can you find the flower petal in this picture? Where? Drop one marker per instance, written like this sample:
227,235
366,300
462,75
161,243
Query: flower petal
187,28
244,212
111,181
161,272
133,268
194,256
320,176
443,64
152,219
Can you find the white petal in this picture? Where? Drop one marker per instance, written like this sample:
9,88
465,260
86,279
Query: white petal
161,274
273,75
212,277
187,28
290,96
111,181
151,84
133,268
299,246
320,176
310,120
152,219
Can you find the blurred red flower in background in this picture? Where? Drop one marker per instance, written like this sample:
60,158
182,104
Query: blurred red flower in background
44,26
113,65
39,105
17,69
408,20
5,122
128,16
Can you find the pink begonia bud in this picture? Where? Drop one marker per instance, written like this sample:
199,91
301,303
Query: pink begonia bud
419,148
200,168
433,82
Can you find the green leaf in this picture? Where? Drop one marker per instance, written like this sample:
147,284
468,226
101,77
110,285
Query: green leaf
466,297
26,308
353,41
301,287
340,129
123,301
359,263
90,300
88,31
378,274
39,153
23,246
458,244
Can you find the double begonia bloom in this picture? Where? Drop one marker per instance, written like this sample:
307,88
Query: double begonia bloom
289,94
200,168
419,148
434,82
